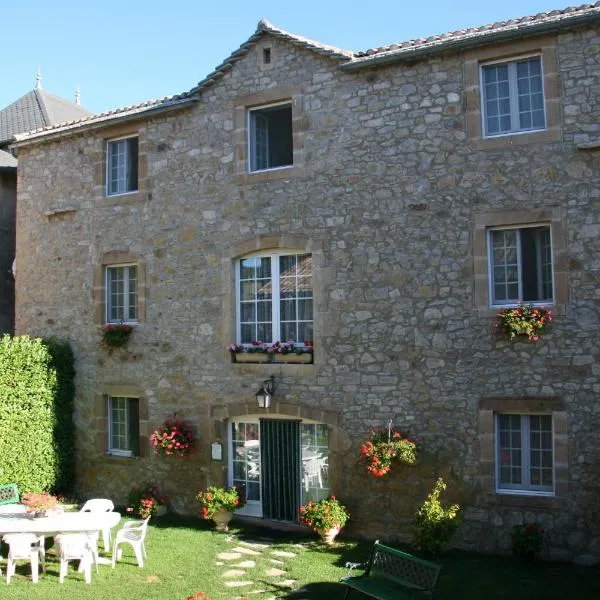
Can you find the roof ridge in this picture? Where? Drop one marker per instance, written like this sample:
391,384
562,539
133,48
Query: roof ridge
42,104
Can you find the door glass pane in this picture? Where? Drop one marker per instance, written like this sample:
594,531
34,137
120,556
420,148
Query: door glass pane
246,459
315,461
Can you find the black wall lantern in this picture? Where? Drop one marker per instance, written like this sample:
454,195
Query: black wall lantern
265,392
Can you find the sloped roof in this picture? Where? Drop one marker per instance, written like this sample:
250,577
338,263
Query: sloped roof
34,110
476,36
7,160
412,49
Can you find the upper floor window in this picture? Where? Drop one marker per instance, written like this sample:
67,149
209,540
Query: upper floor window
275,298
121,294
123,426
270,140
122,166
513,96
520,264
524,453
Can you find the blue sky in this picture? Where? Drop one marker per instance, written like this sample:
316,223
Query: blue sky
127,51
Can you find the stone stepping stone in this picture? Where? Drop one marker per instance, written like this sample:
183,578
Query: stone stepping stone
234,573
229,555
233,584
287,583
283,553
219,563
245,551
246,564
273,572
276,562
255,545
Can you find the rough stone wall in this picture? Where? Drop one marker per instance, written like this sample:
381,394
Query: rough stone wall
8,198
387,196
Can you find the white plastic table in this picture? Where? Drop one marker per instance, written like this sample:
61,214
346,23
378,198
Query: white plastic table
68,522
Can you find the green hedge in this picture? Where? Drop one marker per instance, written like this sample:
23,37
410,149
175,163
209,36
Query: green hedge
37,433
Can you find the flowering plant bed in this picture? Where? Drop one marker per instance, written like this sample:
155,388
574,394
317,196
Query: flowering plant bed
384,447
215,498
115,335
39,501
258,351
527,540
525,319
325,514
173,438
145,502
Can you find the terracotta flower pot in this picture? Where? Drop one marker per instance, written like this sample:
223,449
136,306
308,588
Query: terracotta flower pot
328,535
221,519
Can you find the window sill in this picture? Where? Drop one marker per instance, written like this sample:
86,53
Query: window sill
552,134
277,174
120,457
526,501
261,358
120,199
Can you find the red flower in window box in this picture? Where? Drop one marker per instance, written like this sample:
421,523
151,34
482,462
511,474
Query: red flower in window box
524,319
115,335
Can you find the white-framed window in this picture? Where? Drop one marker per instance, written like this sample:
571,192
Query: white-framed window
270,139
123,426
121,292
274,298
520,265
121,166
524,454
513,96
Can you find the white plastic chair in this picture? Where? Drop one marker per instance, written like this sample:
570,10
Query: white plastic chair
25,546
100,505
75,546
133,533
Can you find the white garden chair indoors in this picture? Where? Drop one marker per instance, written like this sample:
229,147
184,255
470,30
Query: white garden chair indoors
132,533
100,505
75,546
25,546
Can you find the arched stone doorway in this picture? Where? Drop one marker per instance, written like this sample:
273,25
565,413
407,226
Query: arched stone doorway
281,458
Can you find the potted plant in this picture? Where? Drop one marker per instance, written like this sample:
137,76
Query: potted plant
218,504
173,438
325,517
527,540
384,447
115,335
146,501
40,504
523,320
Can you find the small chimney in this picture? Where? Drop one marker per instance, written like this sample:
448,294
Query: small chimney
38,80
77,96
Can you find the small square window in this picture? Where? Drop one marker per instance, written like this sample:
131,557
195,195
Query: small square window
123,426
524,453
520,265
121,294
270,140
513,96
122,166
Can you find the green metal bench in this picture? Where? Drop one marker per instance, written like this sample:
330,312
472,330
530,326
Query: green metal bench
9,494
392,574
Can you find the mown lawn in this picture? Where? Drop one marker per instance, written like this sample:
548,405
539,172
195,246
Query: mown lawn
183,558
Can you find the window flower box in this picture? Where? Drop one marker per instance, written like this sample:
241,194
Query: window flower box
277,352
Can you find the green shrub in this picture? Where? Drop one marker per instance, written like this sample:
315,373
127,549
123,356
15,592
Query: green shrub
527,540
435,524
37,434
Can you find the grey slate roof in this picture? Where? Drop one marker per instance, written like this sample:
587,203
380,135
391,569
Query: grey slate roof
7,160
34,110
463,38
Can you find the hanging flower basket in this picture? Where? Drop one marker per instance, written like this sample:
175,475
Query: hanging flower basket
525,319
115,335
173,438
385,446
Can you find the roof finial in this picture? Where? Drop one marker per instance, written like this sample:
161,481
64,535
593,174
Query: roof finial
38,80
77,96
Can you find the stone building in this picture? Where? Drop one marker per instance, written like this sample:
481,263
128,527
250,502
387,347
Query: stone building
38,108
383,205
